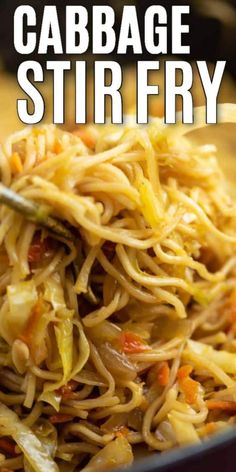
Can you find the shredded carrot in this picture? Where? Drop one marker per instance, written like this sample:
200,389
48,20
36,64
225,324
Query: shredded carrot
190,389
57,149
122,432
8,447
163,374
57,419
131,343
32,333
16,164
221,405
184,371
86,135
67,390
38,352
188,385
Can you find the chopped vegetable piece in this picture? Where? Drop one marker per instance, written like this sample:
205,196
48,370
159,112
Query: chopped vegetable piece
104,332
53,398
28,332
118,364
22,297
123,432
185,431
188,385
47,434
116,453
190,389
64,337
35,331
20,355
166,328
163,374
49,394
57,419
54,292
221,405
131,343
66,390
184,371
33,449
225,360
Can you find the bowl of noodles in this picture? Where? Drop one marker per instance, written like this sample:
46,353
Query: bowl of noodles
117,296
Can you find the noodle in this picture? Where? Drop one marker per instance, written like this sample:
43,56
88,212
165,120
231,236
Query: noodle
126,333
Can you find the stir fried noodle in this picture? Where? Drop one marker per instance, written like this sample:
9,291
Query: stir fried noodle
124,334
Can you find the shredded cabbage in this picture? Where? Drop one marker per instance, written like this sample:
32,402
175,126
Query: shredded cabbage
117,453
64,337
225,360
35,452
54,292
49,392
184,430
21,297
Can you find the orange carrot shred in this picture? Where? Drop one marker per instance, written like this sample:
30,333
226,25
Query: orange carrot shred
30,331
188,385
190,389
163,374
67,391
122,432
131,343
184,371
57,419
221,405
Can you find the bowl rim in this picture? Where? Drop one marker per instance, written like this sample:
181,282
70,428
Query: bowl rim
162,461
